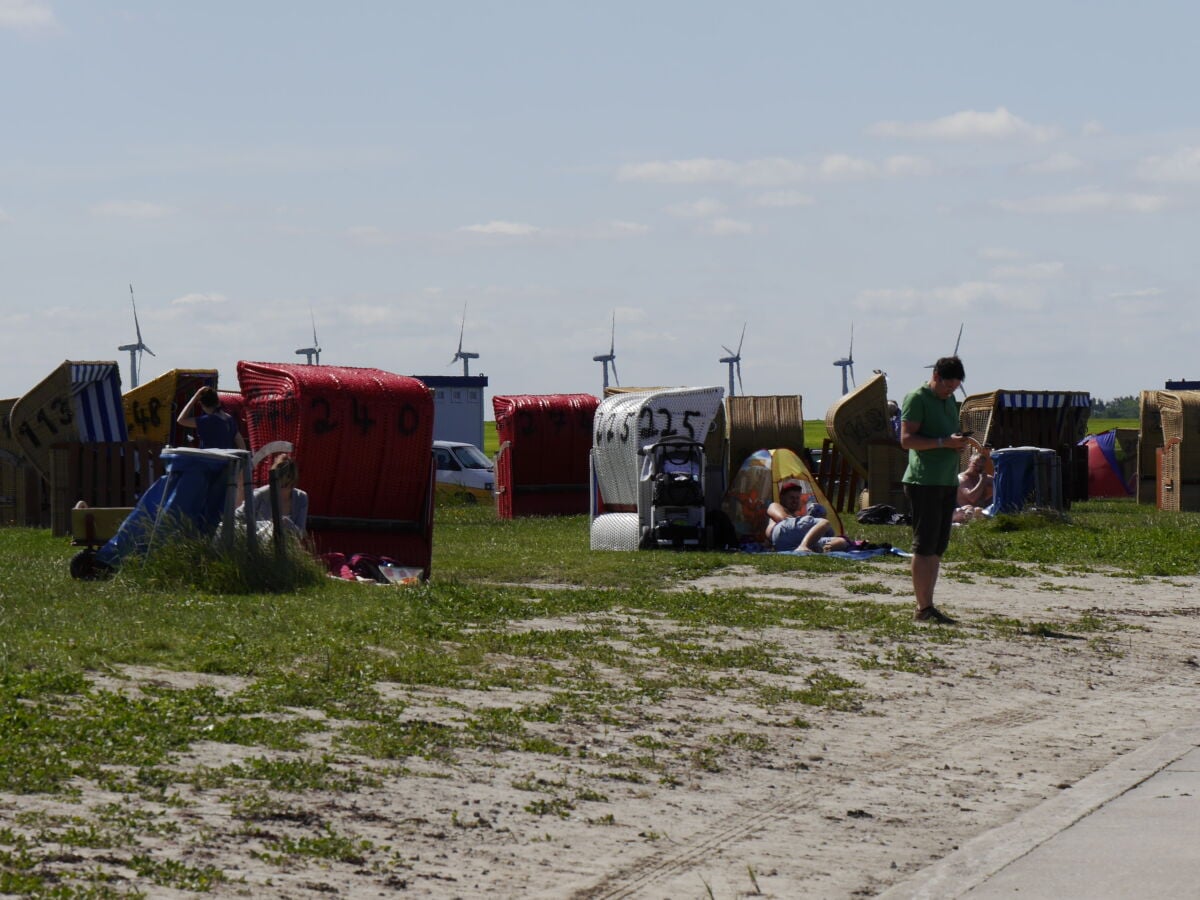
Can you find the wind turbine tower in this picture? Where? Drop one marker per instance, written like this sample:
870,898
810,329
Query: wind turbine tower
460,353
135,350
312,355
734,361
611,355
847,365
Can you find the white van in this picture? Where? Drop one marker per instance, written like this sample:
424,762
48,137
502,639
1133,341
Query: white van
463,471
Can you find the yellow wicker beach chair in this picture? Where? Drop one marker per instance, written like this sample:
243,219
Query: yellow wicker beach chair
152,408
858,418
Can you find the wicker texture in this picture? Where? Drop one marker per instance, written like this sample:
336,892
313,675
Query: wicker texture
100,474
975,415
857,419
1150,440
152,408
1054,420
11,470
758,422
615,531
8,441
627,422
363,442
1179,483
77,402
542,466
235,404
887,462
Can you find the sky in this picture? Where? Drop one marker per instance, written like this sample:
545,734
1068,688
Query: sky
528,172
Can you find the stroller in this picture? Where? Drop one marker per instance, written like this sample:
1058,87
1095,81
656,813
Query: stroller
671,496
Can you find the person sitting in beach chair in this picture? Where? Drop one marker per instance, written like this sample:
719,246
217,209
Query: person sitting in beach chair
795,525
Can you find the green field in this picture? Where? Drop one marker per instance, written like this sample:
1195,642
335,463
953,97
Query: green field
815,432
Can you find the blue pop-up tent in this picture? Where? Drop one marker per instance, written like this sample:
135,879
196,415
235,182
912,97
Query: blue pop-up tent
189,497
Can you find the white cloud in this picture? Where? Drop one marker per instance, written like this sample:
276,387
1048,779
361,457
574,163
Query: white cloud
697,209
1052,165
999,253
900,166
724,227
26,15
1030,271
512,229
964,296
371,235
193,300
614,229
1182,166
1139,294
1091,129
618,228
782,199
769,171
968,125
1086,201
367,314
132,209
840,167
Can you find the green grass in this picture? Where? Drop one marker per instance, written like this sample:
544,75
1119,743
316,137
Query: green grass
325,685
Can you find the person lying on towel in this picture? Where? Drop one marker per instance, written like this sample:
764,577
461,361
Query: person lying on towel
795,528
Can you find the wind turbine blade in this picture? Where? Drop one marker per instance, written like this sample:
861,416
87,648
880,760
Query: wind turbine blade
148,350
612,340
136,327
959,339
741,390
316,343
742,338
850,355
727,350
853,383
616,377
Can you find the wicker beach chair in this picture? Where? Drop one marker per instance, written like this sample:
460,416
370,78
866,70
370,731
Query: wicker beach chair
79,402
1150,442
152,408
542,464
12,471
1179,470
363,441
858,418
1053,420
624,424
760,422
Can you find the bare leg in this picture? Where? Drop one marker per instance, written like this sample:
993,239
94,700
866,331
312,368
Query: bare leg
924,576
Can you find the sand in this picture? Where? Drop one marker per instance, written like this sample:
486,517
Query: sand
846,807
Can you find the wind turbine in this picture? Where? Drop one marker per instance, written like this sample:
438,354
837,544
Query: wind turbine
309,353
611,355
460,353
734,361
135,361
847,365
957,341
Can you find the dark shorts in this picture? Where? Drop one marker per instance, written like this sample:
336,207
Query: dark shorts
932,509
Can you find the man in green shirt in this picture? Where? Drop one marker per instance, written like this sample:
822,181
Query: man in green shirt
929,432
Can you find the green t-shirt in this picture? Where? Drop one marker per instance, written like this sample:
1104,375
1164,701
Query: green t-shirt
938,418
